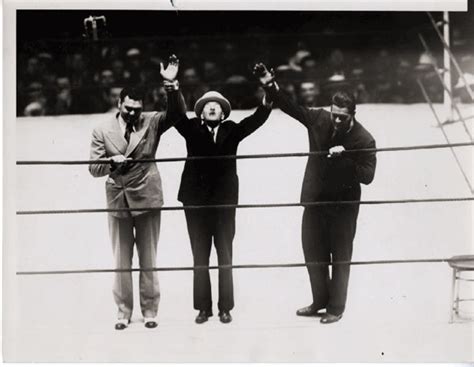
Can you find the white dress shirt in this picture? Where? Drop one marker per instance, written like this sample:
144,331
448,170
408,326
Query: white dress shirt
123,125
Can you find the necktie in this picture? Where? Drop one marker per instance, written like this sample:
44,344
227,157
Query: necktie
213,132
128,132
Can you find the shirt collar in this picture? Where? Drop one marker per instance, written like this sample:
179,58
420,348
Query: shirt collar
210,128
122,122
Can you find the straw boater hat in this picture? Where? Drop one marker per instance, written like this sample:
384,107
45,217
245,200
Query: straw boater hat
212,97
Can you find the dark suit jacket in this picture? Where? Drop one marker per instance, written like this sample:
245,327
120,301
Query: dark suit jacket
336,178
214,181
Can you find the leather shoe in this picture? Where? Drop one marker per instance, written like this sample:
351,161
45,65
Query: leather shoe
150,322
121,324
328,318
310,310
225,317
203,316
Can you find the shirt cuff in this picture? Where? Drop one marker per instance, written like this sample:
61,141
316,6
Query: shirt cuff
174,86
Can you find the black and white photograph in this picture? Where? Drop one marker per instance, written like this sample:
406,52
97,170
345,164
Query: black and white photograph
228,182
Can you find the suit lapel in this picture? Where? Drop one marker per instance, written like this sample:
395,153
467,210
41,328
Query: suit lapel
115,136
222,133
137,136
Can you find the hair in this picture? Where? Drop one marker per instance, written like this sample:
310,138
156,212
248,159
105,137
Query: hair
344,100
134,93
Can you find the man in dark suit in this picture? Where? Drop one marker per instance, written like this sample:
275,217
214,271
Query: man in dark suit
328,231
131,134
210,182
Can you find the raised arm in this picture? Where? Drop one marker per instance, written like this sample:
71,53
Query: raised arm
251,123
176,106
267,79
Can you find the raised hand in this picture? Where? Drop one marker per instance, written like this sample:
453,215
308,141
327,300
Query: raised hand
263,74
171,71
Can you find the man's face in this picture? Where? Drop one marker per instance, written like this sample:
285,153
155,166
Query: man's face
341,118
130,110
307,92
107,78
212,112
190,76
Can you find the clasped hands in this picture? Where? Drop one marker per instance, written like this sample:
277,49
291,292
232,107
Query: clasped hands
119,162
336,151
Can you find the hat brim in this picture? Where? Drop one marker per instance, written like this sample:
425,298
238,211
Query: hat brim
201,102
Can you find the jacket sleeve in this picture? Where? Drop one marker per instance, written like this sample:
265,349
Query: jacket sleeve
365,165
251,123
175,110
300,113
358,167
97,152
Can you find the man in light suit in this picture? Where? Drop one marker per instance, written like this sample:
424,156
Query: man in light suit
131,134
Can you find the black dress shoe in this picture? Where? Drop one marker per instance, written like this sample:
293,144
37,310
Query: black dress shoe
150,322
310,310
225,317
122,324
203,316
328,318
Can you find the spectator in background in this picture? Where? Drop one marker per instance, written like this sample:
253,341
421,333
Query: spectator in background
107,78
335,83
79,75
156,100
120,74
336,63
308,92
32,72
358,79
134,65
309,68
240,92
192,86
34,109
114,98
35,93
287,76
230,59
404,87
425,72
100,100
384,81
294,61
212,75
65,103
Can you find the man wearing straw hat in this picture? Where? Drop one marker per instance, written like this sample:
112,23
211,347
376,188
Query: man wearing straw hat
213,182
328,231
131,134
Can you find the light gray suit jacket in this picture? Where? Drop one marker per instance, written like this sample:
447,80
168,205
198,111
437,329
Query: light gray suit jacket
140,185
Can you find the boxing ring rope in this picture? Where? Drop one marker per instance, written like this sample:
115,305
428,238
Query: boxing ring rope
247,206
249,156
458,162
451,56
446,88
244,266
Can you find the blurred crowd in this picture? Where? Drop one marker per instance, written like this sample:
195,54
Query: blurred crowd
61,80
